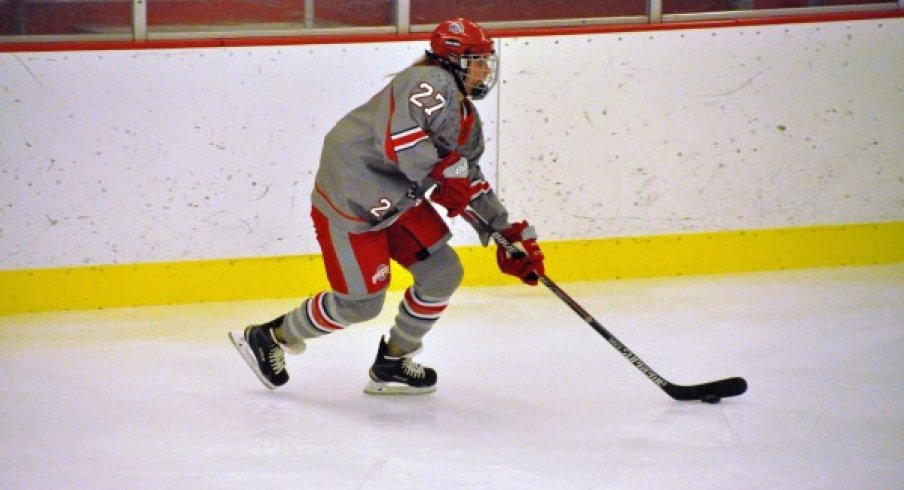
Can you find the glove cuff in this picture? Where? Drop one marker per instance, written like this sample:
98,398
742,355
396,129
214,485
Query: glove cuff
519,232
451,166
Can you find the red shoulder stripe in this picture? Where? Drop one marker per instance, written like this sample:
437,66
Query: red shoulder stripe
388,148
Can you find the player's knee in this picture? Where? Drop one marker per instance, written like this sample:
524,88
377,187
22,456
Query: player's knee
454,273
440,275
356,310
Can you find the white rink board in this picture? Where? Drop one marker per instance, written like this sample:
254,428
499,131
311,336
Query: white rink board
697,130
166,155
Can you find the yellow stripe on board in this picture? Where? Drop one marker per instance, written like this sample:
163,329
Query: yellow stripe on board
106,286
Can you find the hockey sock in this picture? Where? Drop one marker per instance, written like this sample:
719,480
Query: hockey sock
417,314
313,318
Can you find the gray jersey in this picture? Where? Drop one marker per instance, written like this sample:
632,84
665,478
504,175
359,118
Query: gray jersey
375,161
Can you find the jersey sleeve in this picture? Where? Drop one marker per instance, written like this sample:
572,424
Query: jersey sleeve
424,120
487,205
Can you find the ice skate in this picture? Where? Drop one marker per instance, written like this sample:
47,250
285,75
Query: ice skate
391,375
262,353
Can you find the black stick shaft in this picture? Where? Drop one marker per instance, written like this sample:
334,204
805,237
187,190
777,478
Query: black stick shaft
721,388
612,339
577,308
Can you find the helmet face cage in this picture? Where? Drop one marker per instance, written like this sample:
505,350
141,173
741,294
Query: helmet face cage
489,62
466,50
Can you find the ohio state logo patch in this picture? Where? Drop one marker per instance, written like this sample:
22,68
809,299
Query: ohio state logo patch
380,275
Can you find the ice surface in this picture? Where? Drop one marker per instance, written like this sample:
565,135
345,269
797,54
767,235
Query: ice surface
529,396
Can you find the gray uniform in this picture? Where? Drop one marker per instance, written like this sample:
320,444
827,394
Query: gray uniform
376,160
375,166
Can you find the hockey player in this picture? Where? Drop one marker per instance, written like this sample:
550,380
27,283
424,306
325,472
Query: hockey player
368,206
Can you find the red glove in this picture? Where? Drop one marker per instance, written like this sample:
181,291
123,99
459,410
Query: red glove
454,189
528,265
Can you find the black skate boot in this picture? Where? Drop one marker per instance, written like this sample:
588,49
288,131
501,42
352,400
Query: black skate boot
263,353
399,375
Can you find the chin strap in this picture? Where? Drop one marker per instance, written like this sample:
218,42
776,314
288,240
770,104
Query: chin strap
455,70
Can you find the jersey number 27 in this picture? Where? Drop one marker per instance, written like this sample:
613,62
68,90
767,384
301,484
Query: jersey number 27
433,98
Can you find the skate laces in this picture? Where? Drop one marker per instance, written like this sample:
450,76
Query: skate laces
275,355
412,368
277,359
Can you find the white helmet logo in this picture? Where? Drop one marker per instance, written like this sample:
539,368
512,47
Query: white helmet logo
456,28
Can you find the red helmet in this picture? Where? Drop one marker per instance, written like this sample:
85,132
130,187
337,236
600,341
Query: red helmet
458,44
457,37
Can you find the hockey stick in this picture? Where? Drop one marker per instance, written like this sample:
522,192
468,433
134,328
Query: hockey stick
710,392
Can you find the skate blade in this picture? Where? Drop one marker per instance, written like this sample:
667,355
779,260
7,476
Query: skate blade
238,340
379,388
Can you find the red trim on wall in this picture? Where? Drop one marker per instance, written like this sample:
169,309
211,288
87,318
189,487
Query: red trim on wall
381,38
208,43
707,24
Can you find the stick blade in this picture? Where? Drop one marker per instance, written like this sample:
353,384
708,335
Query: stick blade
720,389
